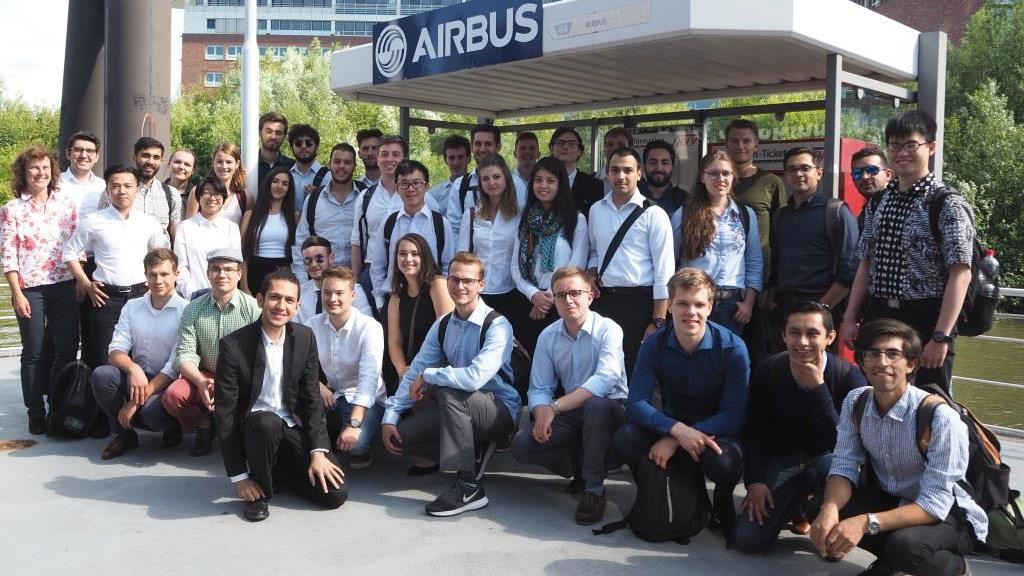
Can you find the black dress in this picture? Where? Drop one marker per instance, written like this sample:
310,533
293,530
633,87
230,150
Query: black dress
415,317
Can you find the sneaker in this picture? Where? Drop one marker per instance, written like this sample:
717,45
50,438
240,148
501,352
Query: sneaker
483,456
360,461
256,510
458,499
591,508
880,568
123,442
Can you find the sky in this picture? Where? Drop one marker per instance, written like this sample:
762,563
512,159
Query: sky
32,49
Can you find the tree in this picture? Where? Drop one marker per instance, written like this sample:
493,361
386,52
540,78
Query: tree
21,125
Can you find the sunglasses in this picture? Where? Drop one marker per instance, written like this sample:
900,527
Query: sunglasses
869,170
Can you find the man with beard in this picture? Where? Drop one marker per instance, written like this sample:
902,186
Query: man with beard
368,140
273,127
659,163
526,152
455,151
566,144
153,198
614,139
307,173
329,211
871,173
79,182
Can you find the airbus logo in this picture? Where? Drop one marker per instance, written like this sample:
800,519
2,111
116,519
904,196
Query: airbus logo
389,54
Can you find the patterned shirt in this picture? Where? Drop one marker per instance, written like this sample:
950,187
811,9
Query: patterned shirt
904,260
33,236
890,442
203,324
164,205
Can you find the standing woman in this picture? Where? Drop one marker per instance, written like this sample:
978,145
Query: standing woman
181,166
34,227
268,230
202,233
552,234
710,234
227,167
489,230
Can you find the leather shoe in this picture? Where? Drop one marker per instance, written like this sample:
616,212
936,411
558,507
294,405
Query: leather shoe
171,437
591,508
37,425
417,470
256,510
203,443
123,442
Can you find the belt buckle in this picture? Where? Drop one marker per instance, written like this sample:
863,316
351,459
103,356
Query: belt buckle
893,303
124,289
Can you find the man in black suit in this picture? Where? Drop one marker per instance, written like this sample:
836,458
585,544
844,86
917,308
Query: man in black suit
269,412
566,144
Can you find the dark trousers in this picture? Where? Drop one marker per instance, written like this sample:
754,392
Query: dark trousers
257,268
505,303
928,550
449,430
580,442
526,329
110,388
791,480
633,442
632,309
102,321
276,451
921,316
53,326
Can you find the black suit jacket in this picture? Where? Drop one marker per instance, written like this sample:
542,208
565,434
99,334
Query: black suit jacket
586,191
240,368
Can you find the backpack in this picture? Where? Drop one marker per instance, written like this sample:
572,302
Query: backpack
987,478
73,410
314,196
464,190
520,377
1006,531
833,217
979,309
364,226
670,504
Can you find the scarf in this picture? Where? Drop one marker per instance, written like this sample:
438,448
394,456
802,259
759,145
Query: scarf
538,235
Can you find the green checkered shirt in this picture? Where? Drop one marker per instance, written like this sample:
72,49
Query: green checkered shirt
203,324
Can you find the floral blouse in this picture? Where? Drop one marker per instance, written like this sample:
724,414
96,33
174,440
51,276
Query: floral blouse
32,236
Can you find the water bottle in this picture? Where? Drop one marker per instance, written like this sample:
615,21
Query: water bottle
991,267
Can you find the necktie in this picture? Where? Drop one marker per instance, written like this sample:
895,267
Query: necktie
319,303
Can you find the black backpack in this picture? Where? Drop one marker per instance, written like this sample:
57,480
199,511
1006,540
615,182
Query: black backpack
521,363
670,504
73,410
979,309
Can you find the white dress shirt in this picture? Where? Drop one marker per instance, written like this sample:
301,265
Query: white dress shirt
493,243
333,221
381,204
196,237
119,244
148,335
421,223
456,210
575,254
440,193
645,256
271,398
309,294
84,194
351,357
302,179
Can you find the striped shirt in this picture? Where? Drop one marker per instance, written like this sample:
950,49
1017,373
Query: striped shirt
203,324
890,441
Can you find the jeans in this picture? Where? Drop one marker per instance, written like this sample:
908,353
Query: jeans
55,316
338,417
791,480
110,388
722,313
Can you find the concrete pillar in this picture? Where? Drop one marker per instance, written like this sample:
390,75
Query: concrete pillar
81,103
931,87
833,124
138,75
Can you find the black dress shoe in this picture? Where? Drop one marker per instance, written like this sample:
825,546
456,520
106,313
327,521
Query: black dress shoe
422,470
256,510
121,443
171,437
37,425
203,443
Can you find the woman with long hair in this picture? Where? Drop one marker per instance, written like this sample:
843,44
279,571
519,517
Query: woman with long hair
268,230
712,233
227,167
34,227
489,230
202,233
552,234
181,167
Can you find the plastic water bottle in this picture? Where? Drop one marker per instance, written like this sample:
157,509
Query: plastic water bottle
991,267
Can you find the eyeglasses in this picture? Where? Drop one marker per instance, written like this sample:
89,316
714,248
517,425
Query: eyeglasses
891,354
802,169
80,150
215,270
319,259
304,142
467,282
718,174
408,184
565,143
869,170
211,194
908,146
573,295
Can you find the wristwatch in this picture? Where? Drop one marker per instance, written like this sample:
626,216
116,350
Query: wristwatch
941,337
872,527
555,408
658,322
355,423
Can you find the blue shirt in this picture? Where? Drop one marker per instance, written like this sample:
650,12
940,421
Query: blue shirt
890,441
734,258
804,260
592,360
706,390
463,364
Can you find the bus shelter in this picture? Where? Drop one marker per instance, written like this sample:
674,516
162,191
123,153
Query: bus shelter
502,59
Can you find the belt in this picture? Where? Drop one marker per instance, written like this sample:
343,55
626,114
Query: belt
727,293
627,290
114,289
897,304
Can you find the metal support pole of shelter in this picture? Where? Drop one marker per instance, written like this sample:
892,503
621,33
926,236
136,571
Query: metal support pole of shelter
403,122
931,87
833,124
251,100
